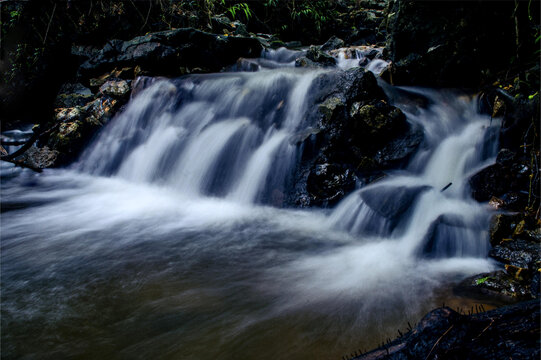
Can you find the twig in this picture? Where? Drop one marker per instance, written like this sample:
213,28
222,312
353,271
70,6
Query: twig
49,25
148,14
485,329
438,341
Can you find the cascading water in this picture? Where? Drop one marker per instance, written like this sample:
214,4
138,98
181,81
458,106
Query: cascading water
156,245
227,135
427,207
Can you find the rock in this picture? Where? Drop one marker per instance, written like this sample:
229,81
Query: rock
501,227
77,126
377,121
332,44
446,334
331,108
125,73
391,202
246,65
71,95
317,56
498,107
293,44
166,52
400,148
497,285
328,183
303,61
521,253
495,203
40,158
507,180
535,285
116,89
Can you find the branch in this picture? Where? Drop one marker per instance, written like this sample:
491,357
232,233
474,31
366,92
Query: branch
28,144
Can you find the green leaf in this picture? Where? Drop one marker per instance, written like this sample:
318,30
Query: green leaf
481,280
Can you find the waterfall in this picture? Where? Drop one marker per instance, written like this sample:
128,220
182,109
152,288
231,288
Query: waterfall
169,239
224,135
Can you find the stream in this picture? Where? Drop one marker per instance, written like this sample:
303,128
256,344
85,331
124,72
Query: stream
167,239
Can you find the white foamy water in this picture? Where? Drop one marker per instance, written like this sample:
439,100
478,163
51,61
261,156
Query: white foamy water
161,242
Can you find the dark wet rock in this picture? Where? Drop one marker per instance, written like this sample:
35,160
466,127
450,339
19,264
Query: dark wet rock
303,61
535,285
508,180
165,52
357,130
328,183
319,57
293,44
377,121
246,65
331,109
222,25
494,286
71,95
521,253
400,149
353,85
116,88
502,227
332,44
507,332
391,202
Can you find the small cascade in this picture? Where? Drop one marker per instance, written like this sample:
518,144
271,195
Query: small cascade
427,208
223,135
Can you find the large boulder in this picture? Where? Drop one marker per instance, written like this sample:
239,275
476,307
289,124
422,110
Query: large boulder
507,179
358,136
170,52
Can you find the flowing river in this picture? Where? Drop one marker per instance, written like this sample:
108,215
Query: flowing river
166,239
